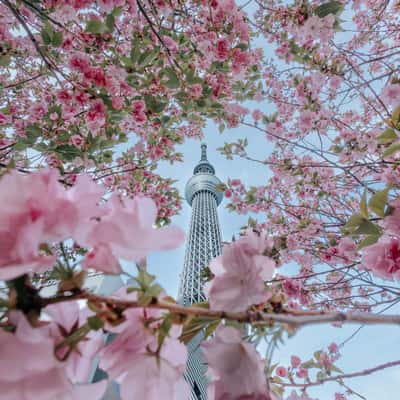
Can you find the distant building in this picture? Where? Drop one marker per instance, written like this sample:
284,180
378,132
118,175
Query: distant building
95,282
204,242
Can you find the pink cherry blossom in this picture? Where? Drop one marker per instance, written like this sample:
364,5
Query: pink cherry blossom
29,369
79,62
281,371
391,223
95,117
222,49
306,120
347,248
227,193
126,231
108,5
333,348
383,258
295,361
76,140
102,259
197,90
391,94
130,359
67,317
38,209
240,274
302,373
235,367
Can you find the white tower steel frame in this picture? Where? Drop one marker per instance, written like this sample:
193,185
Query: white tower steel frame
204,242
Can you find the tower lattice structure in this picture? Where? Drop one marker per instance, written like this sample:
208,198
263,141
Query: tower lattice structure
204,242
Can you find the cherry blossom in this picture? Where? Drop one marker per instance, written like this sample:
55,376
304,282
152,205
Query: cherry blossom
37,210
281,371
65,319
126,231
391,94
295,361
240,273
133,360
235,368
29,368
383,258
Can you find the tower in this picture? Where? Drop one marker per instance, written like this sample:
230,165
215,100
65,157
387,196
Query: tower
203,243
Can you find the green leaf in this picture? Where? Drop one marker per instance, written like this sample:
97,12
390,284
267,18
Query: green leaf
57,39
144,279
393,148
127,62
164,329
211,328
135,54
117,11
47,34
45,37
367,228
363,205
336,369
396,116
202,304
173,82
95,26
95,323
41,147
153,104
333,7
148,56
149,295
378,202
355,221
110,22
192,327
309,364
387,136
5,60
368,240
242,46
33,131
67,152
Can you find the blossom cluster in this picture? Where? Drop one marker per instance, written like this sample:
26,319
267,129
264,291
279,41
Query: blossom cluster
39,212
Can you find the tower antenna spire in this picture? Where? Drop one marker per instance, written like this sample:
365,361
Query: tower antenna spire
203,152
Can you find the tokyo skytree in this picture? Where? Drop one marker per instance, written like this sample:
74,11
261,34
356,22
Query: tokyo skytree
203,243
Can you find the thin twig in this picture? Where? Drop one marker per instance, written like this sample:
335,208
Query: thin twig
364,372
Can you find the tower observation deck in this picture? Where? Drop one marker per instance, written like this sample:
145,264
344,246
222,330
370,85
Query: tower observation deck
204,242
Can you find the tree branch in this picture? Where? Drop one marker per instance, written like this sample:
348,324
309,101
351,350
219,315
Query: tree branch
294,318
364,372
